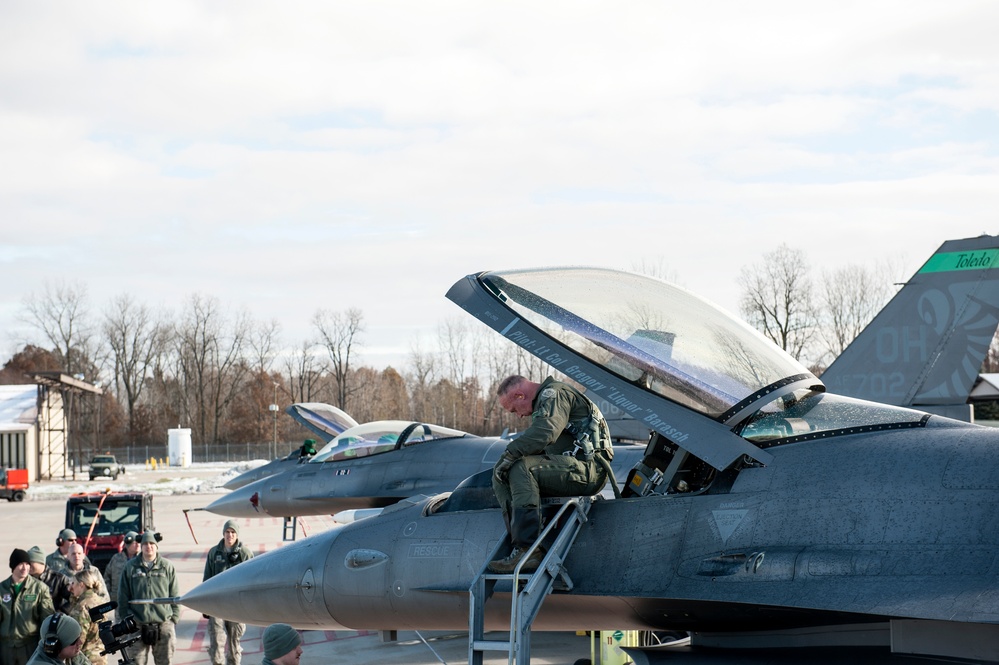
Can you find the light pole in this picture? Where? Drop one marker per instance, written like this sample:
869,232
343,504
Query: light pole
274,409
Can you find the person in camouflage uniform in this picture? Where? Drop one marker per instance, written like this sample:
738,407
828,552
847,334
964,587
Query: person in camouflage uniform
150,576
112,574
66,649
228,553
548,459
84,586
57,583
24,604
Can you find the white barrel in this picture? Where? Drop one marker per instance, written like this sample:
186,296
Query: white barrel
179,446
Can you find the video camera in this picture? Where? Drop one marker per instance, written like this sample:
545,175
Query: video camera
115,636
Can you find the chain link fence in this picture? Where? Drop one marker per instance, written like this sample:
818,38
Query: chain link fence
216,453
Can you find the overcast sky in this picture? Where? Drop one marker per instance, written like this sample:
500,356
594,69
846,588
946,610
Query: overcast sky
288,156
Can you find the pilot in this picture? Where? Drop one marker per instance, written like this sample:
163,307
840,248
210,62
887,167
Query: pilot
145,577
308,449
282,645
60,643
564,452
228,553
24,604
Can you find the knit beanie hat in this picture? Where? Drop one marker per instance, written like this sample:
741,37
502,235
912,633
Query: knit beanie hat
17,557
36,555
231,524
279,639
148,537
67,630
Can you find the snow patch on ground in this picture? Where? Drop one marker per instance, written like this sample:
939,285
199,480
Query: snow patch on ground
198,478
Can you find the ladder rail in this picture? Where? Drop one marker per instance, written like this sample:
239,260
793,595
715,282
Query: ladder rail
526,596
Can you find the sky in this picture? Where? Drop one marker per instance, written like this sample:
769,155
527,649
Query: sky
286,157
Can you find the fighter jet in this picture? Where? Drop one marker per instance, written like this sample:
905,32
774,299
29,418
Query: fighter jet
374,465
325,420
766,512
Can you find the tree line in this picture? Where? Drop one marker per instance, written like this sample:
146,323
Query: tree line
217,371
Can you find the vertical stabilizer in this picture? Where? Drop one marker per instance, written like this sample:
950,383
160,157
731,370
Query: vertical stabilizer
925,348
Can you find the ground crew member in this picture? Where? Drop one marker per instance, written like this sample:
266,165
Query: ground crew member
60,643
58,560
564,452
85,585
150,576
228,553
282,645
24,604
129,548
57,583
78,561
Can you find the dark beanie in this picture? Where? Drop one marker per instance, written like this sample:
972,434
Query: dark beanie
279,639
17,557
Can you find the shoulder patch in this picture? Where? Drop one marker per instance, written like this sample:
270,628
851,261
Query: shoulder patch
546,394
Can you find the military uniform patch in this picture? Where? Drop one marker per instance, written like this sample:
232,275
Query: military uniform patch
6,598
546,394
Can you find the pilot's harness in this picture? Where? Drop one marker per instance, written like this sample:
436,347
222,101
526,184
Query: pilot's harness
586,431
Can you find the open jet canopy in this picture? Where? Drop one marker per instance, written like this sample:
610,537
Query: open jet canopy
633,339
382,436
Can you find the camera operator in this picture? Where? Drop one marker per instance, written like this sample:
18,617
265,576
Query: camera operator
85,585
228,553
145,577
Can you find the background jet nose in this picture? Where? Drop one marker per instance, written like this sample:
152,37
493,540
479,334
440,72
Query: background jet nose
238,503
271,589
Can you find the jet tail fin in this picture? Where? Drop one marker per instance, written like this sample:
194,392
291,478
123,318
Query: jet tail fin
925,348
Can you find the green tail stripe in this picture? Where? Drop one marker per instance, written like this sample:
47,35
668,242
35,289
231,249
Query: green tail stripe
974,260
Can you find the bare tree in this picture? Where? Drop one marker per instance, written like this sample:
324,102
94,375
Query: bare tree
261,342
851,297
211,363
777,299
136,338
61,314
339,334
304,372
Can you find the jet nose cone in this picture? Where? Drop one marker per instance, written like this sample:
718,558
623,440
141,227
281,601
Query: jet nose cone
244,502
271,589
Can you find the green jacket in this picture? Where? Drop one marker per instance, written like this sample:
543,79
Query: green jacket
555,406
140,582
219,559
21,617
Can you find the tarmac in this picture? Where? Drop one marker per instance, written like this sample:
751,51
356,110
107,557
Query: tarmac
38,521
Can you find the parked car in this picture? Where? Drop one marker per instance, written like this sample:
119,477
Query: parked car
105,466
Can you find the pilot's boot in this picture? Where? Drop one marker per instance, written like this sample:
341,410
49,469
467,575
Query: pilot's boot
525,525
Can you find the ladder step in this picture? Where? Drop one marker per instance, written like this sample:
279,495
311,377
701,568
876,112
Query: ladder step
490,645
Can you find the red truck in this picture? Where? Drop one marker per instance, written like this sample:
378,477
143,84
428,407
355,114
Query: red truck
13,484
101,520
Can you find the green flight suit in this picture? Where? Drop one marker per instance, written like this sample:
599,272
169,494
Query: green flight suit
140,581
21,617
219,560
541,468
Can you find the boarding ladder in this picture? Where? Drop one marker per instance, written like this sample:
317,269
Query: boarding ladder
290,529
527,590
